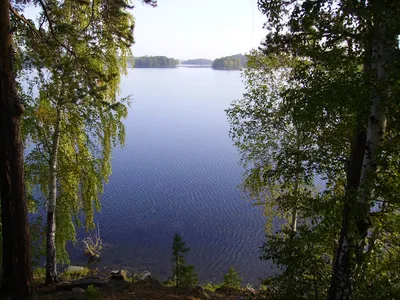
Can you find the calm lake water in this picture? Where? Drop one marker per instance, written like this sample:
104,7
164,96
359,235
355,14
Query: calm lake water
179,173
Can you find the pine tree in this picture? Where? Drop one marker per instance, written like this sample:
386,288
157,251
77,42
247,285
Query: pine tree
232,279
183,274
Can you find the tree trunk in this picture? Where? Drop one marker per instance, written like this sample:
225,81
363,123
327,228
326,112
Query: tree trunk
17,278
51,258
342,280
356,219
293,223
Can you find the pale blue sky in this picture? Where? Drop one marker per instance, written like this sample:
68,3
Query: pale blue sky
197,28
186,29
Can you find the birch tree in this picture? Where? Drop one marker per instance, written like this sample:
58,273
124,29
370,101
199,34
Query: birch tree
76,119
346,55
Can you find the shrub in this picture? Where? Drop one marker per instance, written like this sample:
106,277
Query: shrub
92,293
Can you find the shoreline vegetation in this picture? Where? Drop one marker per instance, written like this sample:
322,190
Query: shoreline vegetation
81,283
230,63
123,283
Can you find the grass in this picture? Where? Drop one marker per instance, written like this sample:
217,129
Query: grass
210,286
71,275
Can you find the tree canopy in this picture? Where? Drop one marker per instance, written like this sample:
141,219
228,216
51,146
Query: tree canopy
78,53
154,62
316,129
233,62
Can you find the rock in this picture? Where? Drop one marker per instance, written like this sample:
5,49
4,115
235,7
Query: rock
117,275
78,290
143,275
74,269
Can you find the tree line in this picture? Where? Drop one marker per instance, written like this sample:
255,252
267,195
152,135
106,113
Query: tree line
198,62
233,62
154,62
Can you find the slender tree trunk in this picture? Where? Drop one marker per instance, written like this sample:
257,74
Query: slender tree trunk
342,280
51,258
17,278
293,224
356,219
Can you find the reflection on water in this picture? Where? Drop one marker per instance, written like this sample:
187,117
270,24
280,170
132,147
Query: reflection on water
179,172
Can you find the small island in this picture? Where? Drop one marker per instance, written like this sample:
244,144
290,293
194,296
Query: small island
198,62
153,62
233,62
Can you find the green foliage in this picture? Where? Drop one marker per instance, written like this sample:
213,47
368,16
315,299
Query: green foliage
71,275
155,62
233,62
183,274
92,293
77,72
307,103
39,275
210,286
232,279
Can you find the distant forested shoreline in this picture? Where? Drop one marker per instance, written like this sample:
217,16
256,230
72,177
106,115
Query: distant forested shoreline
153,62
198,62
233,62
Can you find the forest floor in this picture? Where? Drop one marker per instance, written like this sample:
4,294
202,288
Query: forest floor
124,290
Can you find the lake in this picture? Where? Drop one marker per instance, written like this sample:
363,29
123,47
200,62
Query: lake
179,173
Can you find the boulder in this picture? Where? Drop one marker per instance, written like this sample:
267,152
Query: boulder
143,275
117,275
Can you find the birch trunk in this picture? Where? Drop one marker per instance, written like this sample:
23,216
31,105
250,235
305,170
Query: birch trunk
51,258
356,222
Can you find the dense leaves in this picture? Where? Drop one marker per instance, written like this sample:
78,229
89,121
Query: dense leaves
74,60
316,149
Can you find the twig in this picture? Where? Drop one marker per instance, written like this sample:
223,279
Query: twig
25,21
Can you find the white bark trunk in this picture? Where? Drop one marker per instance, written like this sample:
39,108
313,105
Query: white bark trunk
51,260
296,183
383,49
